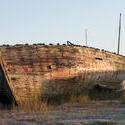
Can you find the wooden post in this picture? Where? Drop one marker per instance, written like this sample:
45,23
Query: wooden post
86,40
119,34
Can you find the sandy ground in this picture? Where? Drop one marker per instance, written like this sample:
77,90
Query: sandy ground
75,114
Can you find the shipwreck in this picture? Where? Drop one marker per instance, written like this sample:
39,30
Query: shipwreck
42,70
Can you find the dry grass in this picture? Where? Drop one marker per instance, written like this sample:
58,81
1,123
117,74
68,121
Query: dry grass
28,106
49,103
123,97
80,99
54,101
32,104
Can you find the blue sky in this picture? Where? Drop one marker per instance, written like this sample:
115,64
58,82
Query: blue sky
58,21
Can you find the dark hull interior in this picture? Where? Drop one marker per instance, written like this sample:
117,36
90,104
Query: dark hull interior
6,96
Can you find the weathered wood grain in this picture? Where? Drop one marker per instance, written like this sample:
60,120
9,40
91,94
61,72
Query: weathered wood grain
47,70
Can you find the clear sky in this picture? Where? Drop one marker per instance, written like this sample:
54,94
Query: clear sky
58,21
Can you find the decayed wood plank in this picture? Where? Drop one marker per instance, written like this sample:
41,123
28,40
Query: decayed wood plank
59,69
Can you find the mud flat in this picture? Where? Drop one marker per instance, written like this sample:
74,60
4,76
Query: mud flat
73,114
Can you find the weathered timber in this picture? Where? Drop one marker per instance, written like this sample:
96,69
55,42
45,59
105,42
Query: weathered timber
41,70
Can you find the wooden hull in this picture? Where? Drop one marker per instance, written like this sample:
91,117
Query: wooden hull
40,70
